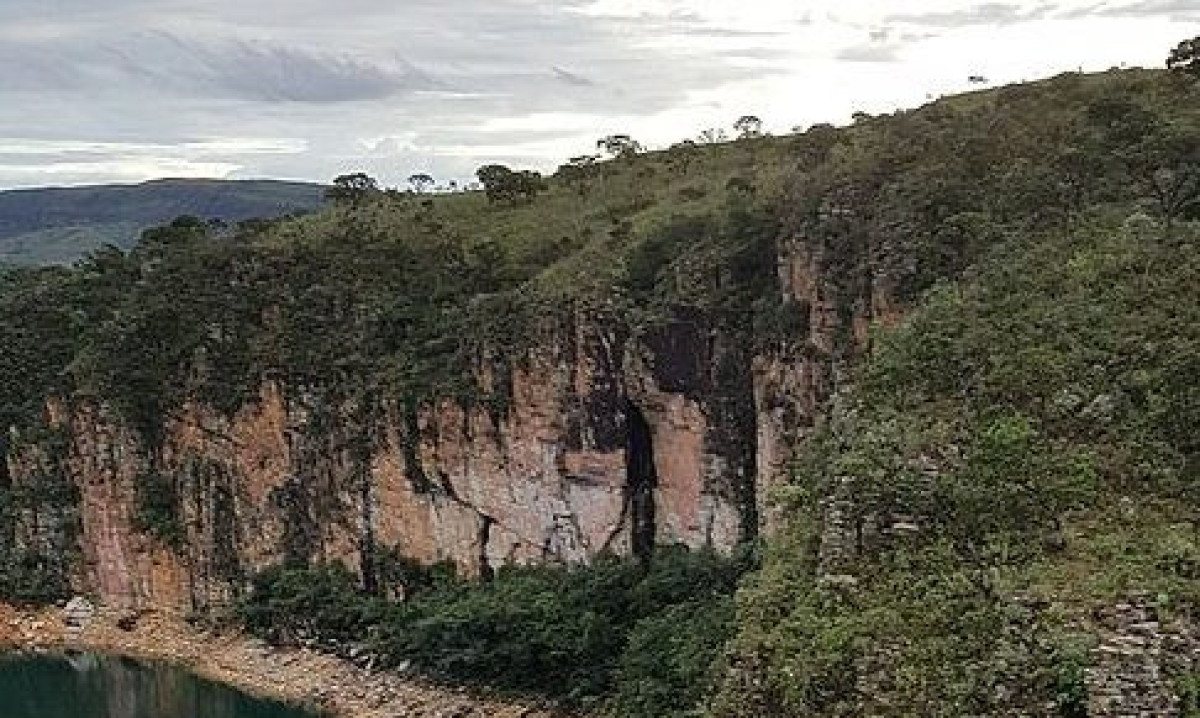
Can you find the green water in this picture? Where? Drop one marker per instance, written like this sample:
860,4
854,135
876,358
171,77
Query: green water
89,686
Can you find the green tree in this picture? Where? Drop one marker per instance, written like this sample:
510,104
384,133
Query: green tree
1186,57
420,182
505,185
748,126
352,188
619,146
577,171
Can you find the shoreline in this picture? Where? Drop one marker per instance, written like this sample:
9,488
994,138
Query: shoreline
327,685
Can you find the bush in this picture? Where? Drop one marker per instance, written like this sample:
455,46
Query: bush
158,509
287,604
571,633
667,666
1189,695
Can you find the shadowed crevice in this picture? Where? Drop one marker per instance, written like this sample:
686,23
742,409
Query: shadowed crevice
641,482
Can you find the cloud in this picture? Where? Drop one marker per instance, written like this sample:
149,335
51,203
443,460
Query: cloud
122,89
114,169
223,146
227,68
883,45
571,78
984,14
263,71
1178,10
30,162
871,52
142,81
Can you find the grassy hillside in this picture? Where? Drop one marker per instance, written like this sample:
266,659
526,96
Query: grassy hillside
1025,439
61,225
1022,450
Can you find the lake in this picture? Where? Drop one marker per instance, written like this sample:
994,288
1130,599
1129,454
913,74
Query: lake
92,686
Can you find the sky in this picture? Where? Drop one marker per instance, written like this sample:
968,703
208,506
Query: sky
105,91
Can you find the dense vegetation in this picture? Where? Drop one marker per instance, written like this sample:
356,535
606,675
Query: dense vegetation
1024,447
394,294
1021,447
62,225
41,511
638,638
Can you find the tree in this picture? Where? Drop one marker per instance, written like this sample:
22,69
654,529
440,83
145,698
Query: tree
351,188
496,181
503,184
1185,57
682,155
577,171
619,145
748,126
183,230
420,182
1175,192
529,184
712,136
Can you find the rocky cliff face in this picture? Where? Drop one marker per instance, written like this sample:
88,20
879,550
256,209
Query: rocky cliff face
600,449
606,444
836,303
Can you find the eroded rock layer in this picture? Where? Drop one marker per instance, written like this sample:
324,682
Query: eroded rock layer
604,444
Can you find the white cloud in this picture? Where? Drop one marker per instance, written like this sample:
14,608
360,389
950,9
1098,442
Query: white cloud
114,170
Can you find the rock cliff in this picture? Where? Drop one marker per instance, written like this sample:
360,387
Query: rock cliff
605,443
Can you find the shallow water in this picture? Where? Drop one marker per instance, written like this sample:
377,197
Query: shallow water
91,686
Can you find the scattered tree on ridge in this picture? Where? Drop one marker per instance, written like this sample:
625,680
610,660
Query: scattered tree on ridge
1185,57
748,126
420,182
682,155
503,184
351,188
619,145
577,171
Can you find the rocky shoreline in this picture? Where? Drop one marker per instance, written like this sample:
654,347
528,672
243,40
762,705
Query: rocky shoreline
325,684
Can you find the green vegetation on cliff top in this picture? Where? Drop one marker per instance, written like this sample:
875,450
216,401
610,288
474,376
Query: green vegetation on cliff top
1021,449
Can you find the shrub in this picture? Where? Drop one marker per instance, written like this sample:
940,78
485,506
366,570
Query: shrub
573,633
667,666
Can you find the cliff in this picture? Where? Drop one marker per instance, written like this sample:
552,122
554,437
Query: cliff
940,360
606,445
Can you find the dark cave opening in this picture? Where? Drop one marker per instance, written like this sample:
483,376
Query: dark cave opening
5,479
641,479
486,572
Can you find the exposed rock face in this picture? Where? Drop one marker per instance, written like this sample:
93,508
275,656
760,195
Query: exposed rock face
603,447
836,301
1138,661
607,443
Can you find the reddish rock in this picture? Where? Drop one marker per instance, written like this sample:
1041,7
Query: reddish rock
546,477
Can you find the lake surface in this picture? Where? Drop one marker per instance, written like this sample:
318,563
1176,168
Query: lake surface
90,686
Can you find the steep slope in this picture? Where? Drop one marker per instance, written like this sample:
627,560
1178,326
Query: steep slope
61,225
997,513
1009,483
908,352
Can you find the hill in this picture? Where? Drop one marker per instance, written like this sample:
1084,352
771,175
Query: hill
893,419
61,225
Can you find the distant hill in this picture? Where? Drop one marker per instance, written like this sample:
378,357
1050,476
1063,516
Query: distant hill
60,225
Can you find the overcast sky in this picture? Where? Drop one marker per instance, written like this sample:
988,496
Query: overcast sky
127,90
